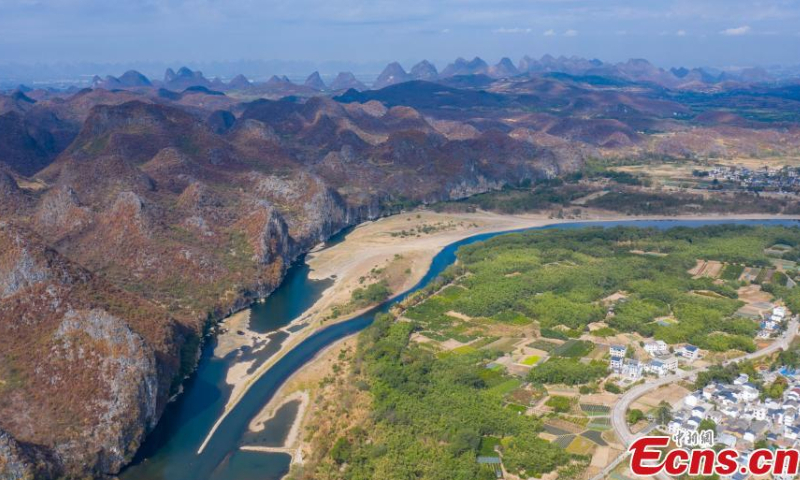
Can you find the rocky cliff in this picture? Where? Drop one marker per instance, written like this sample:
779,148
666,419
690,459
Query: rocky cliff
85,369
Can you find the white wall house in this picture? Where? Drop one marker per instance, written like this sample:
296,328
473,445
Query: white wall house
689,352
659,347
618,350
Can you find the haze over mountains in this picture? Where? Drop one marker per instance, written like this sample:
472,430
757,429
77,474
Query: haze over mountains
393,73
141,209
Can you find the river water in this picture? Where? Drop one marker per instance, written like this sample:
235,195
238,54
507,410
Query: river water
170,451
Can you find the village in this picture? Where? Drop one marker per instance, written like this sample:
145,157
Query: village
752,411
784,180
665,360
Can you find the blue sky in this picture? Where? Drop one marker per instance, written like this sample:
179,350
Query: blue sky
668,32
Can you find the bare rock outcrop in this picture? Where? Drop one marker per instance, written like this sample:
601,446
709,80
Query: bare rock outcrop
97,362
126,387
20,462
61,213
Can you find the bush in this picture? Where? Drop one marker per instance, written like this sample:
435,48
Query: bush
372,294
341,451
559,403
612,387
635,415
552,333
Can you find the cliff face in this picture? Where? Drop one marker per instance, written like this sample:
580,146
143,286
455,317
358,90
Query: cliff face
85,369
126,390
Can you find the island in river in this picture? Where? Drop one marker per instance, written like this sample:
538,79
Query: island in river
501,365
156,457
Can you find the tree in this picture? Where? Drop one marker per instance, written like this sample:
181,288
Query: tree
635,416
707,424
776,388
663,413
612,387
341,451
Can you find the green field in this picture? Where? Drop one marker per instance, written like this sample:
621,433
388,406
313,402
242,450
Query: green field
503,345
487,447
506,387
543,345
580,445
564,441
593,409
599,423
464,349
731,272
531,360
574,349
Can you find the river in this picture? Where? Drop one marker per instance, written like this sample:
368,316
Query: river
170,451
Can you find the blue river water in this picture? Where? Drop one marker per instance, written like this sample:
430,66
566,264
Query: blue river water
170,451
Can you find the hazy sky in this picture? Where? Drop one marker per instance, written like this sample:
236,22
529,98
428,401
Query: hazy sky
668,32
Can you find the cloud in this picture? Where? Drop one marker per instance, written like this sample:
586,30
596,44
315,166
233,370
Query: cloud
680,33
549,33
734,32
512,30
571,33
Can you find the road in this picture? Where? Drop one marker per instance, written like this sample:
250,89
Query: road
618,413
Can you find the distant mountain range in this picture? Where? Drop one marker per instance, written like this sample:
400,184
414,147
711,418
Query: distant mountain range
636,70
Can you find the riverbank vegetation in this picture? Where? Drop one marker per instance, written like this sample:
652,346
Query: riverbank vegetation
429,416
446,379
560,278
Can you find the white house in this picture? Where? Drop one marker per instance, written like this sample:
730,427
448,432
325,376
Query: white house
778,314
632,369
618,350
741,379
726,439
616,363
748,393
793,394
659,347
760,412
730,411
663,366
699,412
689,352
692,399
671,363
657,367
673,426
788,417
